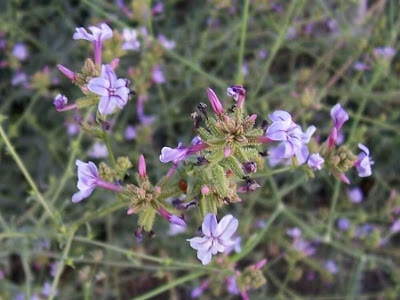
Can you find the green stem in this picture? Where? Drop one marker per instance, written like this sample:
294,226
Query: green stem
27,176
239,77
357,278
109,149
170,285
334,200
61,264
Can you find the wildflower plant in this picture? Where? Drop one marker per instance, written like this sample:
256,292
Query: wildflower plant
250,202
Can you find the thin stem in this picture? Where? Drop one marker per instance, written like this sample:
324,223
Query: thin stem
334,200
357,278
170,285
239,77
109,149
61,264
27,176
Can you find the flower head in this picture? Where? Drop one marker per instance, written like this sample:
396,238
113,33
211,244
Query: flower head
174,154
60,101
285,130
20,51
88,177
131,41
114,92
315,161
99,34
339,116
238,93
364,162
167,44
355,195
384,52
158,75
171,218
217,237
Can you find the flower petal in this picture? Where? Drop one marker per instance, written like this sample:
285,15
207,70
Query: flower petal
280,115
209,225
99,86
107,105
79,196
204,256
200,243
226,227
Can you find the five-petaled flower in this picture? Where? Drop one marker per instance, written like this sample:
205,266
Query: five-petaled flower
364,162
88,180
99,34
217,237
114,92
285,130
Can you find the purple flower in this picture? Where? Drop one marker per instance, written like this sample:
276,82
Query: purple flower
285,130
171,218
175,229
67,72
88,180
131,41
384,52
360,66
395,226
114,92
174,154
343,224
99,34
46,290
214,101
238,93
364,162
303,246
331,267
158,75
231,285
294,232
355,195
198,291
20,51
167,44
339,116
303,154
98,150
19,78
158,8
88,176
60,101
130,133
262,54
315,161
217,237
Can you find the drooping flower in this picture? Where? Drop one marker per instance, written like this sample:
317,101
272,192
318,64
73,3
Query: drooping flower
217,237
315,161
131,41
171,218
88,180
364,162
114,92
339,116
99,34
285,130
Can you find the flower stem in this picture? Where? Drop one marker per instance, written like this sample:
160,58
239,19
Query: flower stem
109,149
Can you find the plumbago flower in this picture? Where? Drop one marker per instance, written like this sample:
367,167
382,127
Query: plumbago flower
99,34
217,237
114,92
88,180
364,162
